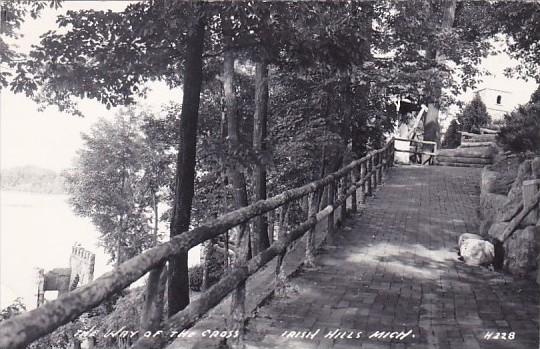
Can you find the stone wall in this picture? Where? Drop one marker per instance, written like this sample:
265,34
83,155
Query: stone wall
500,200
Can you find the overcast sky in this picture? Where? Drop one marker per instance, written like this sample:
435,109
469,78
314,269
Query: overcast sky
50,139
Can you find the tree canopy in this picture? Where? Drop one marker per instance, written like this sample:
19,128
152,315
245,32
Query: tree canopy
120,176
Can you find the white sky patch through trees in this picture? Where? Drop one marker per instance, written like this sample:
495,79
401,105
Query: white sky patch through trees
50,139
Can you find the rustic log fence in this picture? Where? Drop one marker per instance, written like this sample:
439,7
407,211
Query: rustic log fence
351,183
413,149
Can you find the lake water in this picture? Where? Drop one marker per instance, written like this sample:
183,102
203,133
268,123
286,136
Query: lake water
38,231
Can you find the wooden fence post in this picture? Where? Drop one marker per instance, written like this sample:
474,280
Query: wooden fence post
279,274
369,187
310,238
385,161
271,218
374,171
343,189
330,225
392,152
238,299
380,165
152,311
434,157
354,197
364,185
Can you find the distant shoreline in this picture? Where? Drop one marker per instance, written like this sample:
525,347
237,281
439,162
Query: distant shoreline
19,191
32,179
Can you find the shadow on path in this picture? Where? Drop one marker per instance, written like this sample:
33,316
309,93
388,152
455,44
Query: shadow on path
394,267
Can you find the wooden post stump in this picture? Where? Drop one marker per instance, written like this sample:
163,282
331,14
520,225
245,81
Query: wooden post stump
354,197
310,238
363,188
282,232
374,169
369,167
331,227
380,168
343,193
271,226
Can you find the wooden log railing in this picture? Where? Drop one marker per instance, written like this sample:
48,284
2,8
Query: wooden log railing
484,130
431,155
360,175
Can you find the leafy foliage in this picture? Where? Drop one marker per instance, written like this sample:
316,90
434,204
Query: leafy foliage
521,132
215,272
15,308
12,15
520,23
117,182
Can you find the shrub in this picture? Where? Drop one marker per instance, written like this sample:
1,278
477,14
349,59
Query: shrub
452,138
474,116
195,277
521,132
215,270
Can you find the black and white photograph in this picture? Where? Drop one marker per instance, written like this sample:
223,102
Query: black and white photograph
188,174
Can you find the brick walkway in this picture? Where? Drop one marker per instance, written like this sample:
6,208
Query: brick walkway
394,267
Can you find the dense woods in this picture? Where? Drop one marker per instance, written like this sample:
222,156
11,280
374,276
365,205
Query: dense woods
275,95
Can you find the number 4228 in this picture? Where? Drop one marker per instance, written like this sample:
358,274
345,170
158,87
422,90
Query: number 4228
500,335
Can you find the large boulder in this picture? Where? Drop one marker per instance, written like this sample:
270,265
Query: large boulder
496,182
498,178
467,236
515,195
492,206
477,252
521,252
488,180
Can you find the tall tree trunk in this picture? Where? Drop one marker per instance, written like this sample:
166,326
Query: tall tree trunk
347,112
156,216
431,121
235,175
260,239
178,286
359,133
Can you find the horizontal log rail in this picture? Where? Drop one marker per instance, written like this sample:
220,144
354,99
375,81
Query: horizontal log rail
364,174
431,155
468,134
416,152
488,131
415,141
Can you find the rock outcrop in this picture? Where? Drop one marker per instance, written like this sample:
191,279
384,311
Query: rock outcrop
501,200
521,252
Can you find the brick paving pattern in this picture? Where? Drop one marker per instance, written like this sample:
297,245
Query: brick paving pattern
393,267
